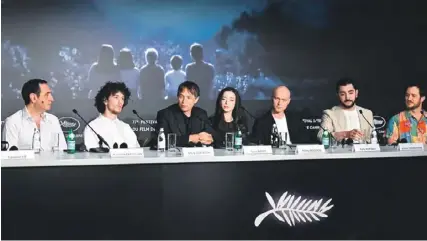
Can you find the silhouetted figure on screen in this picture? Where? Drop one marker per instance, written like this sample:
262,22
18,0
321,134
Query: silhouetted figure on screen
152,77
129,74
102,71
200,72
175,76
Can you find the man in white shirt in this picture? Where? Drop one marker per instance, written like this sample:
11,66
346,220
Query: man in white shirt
109,102
20,127
278,114
346,121
175,76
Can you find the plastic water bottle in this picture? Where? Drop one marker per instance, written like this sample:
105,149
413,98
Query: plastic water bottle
161,141
238,142
325,139
71,142
374,139
36,145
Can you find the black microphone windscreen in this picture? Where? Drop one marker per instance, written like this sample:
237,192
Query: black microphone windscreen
360,111
134,111
403,140
115,145
349,141
124,145
75,111
13,148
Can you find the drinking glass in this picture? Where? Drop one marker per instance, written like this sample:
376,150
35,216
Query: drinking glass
54,142
229,141
171,142
283,139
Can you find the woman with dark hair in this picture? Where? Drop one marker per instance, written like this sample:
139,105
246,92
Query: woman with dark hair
228,116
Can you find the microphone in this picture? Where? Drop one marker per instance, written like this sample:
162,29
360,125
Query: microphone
13,148
249,113
252,138
136,113
361,112
99,149
122,146
398,141
150,139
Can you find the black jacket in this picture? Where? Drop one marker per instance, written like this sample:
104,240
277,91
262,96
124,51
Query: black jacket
263,125
220,127
173,120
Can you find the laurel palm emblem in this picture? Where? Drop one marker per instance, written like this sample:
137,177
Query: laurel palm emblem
292,209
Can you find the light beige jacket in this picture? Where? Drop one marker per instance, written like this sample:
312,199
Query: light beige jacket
333,120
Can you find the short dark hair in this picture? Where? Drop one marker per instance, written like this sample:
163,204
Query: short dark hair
344,82
196,51
30,87
110,88
190,86
176,62
419,86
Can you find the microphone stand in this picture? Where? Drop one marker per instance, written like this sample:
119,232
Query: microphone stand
258,141
99,149
373,128
146,122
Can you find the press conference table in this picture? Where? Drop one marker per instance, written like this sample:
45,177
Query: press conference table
378,195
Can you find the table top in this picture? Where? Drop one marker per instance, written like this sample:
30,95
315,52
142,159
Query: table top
220,155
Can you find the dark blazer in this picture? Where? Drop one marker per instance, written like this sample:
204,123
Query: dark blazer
262,127
174,121
220,129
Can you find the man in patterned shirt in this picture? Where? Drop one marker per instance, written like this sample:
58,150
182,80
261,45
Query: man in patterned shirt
411,123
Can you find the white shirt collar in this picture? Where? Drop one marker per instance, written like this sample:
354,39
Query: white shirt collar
26,115
115,120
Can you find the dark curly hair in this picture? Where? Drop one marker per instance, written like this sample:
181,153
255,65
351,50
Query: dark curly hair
109,89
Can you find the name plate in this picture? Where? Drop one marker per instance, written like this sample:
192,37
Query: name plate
197,151
252,150
125,152
309,149
366,147
411,147
27,154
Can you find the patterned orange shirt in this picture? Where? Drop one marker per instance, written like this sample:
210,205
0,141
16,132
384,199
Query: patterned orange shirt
405,126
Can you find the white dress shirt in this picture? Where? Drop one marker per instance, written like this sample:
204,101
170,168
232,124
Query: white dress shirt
19,129
113,131
282,126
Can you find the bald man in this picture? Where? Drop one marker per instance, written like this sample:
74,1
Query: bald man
346,120
277,114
